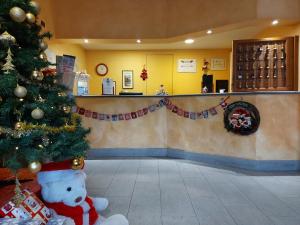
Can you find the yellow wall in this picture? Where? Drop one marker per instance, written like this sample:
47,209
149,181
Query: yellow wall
70,49
159,66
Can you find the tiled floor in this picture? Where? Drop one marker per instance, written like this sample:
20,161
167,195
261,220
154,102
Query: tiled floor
177,192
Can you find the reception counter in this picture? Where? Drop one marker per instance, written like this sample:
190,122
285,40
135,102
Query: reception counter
274,147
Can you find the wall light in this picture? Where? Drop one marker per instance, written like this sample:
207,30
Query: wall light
209,32
189,41
86,41
275,22
138,41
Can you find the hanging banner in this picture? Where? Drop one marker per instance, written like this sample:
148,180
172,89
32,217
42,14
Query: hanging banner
212,111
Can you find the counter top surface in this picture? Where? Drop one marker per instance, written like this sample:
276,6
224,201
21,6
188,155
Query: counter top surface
193,95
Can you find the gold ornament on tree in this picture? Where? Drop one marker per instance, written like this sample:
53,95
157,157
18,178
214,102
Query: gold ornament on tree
6,37
43,45
37,114
18,125
20,91
36,6
67,109
78,163
37,75
35,167
30,18
17,14
43,56
8,66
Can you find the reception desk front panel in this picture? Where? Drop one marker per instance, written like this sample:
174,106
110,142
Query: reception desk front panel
277,139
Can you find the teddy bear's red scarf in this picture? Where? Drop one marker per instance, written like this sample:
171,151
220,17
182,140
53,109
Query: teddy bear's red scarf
76,213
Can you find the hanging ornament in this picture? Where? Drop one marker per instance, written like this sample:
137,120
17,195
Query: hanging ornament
67,109
17,14
8,66
43,45
18,125
144,74
37,114
62,94
6,37
30,18
36,6
37,75
78,163
1,99
35,166
46,141
43,56
20,91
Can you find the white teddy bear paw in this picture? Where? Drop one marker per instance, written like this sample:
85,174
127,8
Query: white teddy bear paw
100,204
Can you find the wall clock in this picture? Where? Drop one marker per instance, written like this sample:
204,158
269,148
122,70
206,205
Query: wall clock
101,69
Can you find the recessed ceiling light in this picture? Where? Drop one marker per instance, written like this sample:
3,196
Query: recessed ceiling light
86,41
275,22
189,41
209,32
138,41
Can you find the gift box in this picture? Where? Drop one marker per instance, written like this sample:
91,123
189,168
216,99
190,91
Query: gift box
31,207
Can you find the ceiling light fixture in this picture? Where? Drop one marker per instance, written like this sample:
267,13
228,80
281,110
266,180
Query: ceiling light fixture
275,22
86,41
209,32
138,41
189,41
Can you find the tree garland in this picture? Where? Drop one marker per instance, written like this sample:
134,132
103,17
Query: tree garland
24,128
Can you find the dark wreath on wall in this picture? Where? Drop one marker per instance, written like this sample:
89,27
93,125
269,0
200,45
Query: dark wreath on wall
241,118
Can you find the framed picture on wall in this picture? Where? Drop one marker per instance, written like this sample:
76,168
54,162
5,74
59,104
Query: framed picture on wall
218,64
127,79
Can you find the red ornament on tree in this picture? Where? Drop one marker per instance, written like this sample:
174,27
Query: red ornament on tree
144,74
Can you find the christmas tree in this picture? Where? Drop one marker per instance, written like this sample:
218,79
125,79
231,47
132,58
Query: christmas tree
36,120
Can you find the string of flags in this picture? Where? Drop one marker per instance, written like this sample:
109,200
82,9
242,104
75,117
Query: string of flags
166,102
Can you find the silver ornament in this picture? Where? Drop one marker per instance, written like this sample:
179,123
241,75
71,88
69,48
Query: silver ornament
46,141
20,91
43,45
37,75
30,18
37,114
17,14
36,6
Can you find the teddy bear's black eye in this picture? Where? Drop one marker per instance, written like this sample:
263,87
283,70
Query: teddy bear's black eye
69,189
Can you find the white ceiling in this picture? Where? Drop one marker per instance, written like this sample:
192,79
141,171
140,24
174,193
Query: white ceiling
202,41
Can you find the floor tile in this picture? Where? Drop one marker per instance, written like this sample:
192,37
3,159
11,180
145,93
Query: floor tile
117,205
171,192
175,220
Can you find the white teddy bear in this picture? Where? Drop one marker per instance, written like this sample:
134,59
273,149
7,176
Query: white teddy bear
64,191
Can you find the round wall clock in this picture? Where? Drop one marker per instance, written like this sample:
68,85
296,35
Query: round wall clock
101,69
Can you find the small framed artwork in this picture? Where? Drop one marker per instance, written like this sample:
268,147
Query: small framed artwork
127,79
218,64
